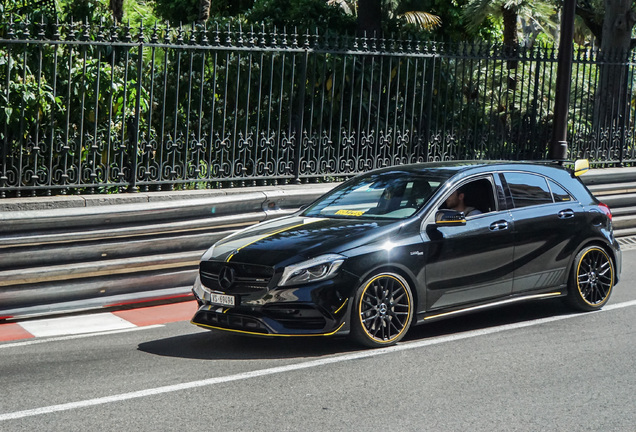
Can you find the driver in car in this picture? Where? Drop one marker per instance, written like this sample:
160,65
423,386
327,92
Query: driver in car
456,201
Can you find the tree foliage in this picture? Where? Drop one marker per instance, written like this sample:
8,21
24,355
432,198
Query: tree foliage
538,17
303,14
218,95
177,11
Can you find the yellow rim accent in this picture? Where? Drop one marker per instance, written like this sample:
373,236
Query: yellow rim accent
267,235
267,334
408,299
578,268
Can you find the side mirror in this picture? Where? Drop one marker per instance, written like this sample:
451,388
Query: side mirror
450,218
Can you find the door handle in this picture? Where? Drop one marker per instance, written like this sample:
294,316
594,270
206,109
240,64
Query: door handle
499,226
566,214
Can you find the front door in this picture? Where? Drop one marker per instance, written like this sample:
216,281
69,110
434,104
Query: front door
473,262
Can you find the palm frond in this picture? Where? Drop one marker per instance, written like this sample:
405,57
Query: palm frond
424,20
515,4
344,5
477,11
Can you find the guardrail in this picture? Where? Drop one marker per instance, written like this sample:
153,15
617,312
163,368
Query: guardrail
616,187
61,254
70,253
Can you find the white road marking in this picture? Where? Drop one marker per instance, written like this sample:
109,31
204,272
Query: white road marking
619,305
294,367
77,336
76,325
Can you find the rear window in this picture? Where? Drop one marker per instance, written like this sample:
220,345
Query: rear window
528,189
558,193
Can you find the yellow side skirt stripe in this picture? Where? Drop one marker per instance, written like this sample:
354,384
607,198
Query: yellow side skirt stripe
536,296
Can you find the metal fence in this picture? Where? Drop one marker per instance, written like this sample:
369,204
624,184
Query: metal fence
96,109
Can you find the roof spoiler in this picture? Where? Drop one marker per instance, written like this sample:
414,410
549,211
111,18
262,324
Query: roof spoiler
581,166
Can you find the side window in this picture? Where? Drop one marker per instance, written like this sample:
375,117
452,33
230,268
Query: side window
558,193
528,189
472,198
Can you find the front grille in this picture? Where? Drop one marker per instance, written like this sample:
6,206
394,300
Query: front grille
247,278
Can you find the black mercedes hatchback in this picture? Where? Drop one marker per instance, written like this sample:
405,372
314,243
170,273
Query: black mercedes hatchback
404,245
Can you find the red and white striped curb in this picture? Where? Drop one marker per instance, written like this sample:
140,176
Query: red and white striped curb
98,322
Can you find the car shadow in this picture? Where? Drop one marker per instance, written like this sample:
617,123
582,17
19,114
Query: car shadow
219,345
489,318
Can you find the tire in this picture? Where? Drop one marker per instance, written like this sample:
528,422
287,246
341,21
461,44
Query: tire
382,311
591,279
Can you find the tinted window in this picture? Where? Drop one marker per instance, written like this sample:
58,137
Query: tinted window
528,189
393,195
558,193
477,195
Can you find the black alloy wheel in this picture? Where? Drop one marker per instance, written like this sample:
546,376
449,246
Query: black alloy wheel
592,279
383,311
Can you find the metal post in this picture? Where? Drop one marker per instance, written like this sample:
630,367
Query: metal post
134,145
300,114
559,146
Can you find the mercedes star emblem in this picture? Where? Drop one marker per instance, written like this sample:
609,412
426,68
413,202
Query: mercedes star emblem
226,277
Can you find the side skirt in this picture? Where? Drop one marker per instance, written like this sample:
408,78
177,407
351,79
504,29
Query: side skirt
430,316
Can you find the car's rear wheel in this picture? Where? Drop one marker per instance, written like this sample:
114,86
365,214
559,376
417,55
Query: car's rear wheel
383,310
592,279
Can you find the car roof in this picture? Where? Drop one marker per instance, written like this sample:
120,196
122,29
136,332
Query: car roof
450,168
460,170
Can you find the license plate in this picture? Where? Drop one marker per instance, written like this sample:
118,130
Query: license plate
222,300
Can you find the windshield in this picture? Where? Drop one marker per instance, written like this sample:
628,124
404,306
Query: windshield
389,195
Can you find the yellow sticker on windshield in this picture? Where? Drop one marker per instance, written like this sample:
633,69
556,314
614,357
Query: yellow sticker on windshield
349,212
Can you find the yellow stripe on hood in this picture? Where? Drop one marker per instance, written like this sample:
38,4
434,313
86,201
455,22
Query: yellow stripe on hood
305,222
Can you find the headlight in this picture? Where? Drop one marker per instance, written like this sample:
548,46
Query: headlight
315,269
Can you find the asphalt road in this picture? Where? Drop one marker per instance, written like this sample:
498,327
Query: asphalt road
530,367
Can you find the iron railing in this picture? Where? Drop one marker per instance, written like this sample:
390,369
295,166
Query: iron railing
96,109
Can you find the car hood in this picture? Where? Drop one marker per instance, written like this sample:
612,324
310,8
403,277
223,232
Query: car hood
292,239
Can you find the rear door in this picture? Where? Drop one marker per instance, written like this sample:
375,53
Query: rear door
546,218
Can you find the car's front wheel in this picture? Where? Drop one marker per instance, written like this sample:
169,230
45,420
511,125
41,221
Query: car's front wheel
591,280
383,310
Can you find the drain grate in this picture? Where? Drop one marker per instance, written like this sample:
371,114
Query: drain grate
627,242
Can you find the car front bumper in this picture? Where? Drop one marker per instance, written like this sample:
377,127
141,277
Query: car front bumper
317,309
